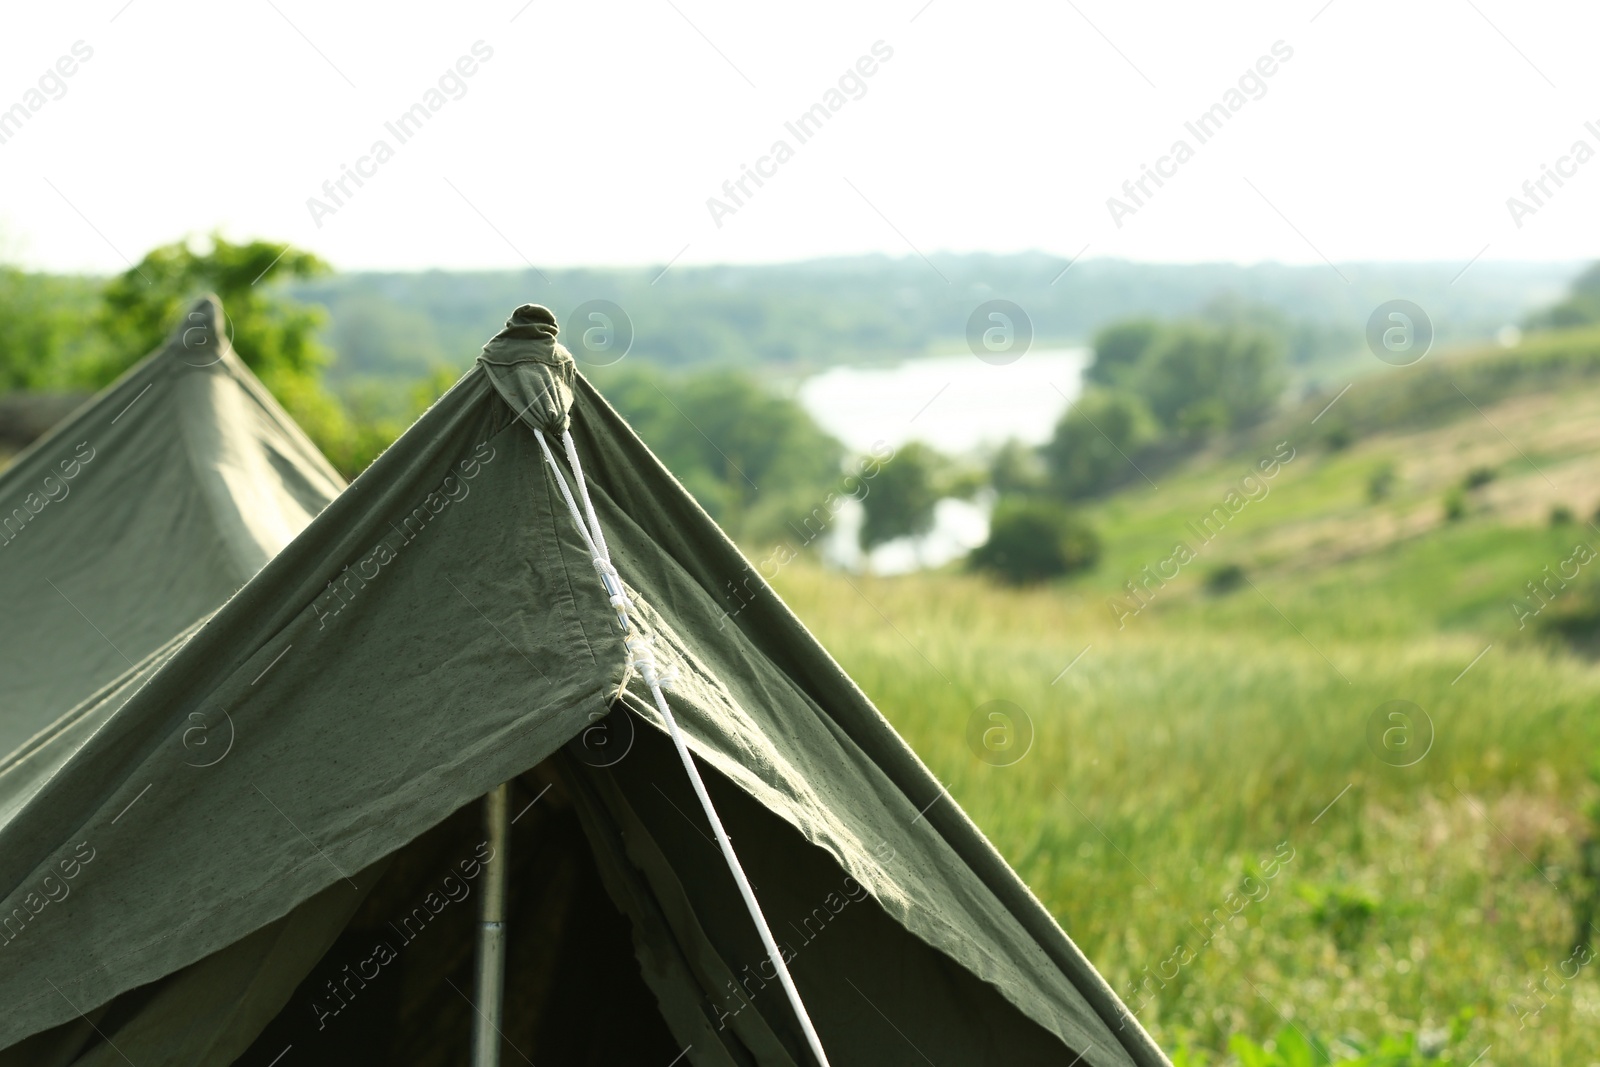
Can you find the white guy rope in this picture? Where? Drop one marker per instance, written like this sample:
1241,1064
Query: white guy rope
641,657
583,491
599,554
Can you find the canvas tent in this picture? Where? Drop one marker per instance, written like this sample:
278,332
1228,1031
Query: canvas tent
438,630
140,514
131,521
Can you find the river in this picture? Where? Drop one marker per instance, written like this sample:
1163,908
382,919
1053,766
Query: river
957,404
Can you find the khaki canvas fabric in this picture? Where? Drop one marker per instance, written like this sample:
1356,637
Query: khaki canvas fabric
140,514
439,629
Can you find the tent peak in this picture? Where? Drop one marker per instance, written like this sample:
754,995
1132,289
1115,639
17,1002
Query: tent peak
201,335
530,370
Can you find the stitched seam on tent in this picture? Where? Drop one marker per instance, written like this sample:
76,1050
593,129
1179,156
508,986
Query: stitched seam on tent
552,360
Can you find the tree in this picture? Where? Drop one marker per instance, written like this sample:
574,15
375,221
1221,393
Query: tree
1016,469
1034,541
275,336
904,494
43,343
733,443
1094,443
1199,377
1220,372
1119,351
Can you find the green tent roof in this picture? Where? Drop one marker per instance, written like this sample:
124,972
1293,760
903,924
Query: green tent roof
140,514
299,880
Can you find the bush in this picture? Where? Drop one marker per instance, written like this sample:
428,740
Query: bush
1455,504
1341,911
1225,579
1380,483
1034,541
1338,437
1477,478
1561,515
1572,620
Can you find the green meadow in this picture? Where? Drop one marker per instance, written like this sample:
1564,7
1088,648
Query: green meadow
1215,800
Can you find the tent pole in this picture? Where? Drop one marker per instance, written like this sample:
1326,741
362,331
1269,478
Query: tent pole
491,983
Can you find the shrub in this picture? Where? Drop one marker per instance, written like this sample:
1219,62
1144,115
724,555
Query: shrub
1342,911
1573,620
1561,515
1477,478
1035,540
1455,505
1225,579
1380,483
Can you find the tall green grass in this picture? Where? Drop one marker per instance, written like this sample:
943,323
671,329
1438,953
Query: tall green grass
1193,748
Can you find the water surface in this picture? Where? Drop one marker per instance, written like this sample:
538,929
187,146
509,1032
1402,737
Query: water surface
959,405
955,403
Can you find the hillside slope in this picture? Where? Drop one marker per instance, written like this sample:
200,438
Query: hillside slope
1215,796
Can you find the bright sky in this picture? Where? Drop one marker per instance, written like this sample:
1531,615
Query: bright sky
594,133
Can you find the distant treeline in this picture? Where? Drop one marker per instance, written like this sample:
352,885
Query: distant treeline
875,308
813,314
1183,354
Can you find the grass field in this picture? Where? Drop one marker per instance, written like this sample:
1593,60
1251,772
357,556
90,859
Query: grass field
1204,806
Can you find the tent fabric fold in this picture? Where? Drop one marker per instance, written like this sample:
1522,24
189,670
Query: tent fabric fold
438,629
